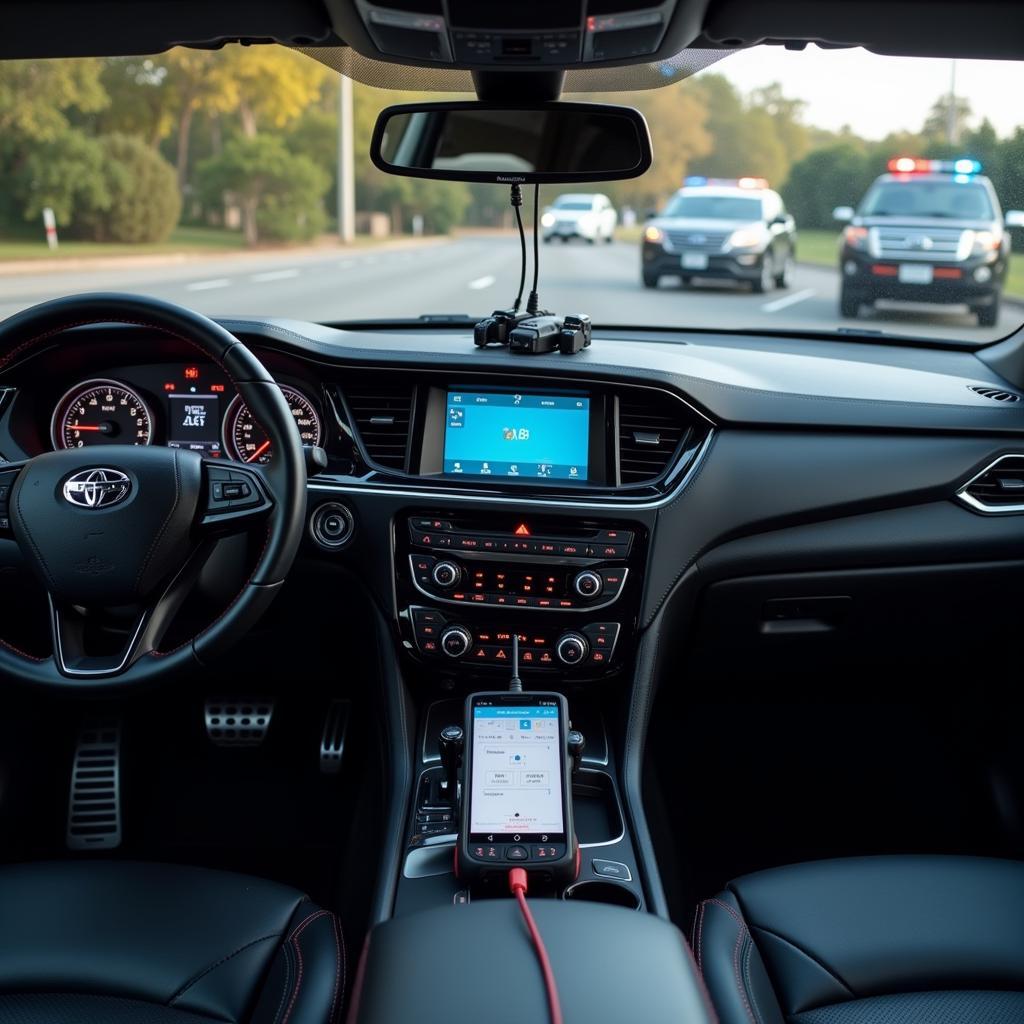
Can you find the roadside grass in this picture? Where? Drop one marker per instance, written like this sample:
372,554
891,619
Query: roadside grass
183,239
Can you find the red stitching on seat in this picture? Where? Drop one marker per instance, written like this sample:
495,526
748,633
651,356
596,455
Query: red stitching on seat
294,939
741,932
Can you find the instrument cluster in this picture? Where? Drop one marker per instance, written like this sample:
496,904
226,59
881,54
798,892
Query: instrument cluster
191,406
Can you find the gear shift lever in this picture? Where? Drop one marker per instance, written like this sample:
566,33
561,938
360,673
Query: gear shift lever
576,744
450,742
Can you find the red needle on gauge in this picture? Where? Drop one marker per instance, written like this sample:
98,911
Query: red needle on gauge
78,426
259,451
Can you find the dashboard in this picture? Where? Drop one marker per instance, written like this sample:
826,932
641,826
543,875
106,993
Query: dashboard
578,501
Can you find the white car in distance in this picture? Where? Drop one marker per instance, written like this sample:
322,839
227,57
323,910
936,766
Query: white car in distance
587,215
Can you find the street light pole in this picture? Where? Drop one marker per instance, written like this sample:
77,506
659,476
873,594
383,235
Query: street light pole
952,114
346,175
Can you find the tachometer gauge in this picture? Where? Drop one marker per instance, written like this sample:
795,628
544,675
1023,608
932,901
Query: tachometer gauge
246,440
98,412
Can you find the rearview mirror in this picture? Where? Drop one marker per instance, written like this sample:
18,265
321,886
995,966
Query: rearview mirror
1015,218
544,143
843,214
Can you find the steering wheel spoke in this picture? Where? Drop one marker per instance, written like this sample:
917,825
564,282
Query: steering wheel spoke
8,474
233,498
75,630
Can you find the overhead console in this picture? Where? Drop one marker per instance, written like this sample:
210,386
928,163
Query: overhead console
529,33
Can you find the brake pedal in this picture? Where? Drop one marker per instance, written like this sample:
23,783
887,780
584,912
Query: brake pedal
94,807
238,722
332,743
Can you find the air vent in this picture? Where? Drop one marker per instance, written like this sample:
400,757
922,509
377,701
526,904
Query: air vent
996,394
382,412
999,488
653,426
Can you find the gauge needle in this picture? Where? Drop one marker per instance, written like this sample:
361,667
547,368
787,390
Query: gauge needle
78,426
259,451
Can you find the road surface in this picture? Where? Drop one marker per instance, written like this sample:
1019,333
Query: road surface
476,274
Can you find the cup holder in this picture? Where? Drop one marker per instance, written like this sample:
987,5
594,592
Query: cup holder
610,893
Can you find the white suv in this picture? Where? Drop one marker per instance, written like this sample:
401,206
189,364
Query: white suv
588,215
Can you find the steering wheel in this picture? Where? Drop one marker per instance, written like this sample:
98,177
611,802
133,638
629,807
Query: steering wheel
119,533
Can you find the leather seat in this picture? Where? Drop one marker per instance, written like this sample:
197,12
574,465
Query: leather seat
129,943
873,940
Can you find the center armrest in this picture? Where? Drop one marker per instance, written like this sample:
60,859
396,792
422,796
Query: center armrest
476,963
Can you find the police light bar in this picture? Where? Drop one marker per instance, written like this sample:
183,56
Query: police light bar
914,165
696,180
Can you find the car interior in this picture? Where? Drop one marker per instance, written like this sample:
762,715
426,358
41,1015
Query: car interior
706,717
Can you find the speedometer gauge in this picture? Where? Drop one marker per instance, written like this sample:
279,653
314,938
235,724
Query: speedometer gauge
98,412
247,441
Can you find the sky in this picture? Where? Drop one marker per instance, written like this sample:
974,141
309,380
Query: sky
876,95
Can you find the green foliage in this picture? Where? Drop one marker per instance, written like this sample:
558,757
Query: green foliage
144,200
37,95
67,173
832,176
279,193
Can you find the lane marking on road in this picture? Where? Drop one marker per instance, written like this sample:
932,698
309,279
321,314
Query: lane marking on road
276,275
482,282
205,286
788,300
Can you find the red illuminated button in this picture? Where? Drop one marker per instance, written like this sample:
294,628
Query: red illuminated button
598,657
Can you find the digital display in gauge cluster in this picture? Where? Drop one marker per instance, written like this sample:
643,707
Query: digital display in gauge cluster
194,411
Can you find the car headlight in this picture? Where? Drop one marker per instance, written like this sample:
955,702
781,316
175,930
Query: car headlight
653,234
547,220
744,238
984,241
855,237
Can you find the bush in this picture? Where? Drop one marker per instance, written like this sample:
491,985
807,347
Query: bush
279,193
145,202
832,176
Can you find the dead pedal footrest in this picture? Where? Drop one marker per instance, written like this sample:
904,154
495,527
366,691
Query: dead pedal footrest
94,807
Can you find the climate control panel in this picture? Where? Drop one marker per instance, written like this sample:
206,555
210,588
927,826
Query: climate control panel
445,638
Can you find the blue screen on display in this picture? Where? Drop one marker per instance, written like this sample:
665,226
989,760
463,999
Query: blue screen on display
517,435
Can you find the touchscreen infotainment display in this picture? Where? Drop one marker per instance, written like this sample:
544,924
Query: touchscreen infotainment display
511,434
516,775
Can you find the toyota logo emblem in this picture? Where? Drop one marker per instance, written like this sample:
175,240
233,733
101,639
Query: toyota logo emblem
97,488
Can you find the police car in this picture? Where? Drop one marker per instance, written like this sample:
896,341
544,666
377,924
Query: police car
928,231
736,229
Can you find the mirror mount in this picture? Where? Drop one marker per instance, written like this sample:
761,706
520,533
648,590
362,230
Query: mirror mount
513,87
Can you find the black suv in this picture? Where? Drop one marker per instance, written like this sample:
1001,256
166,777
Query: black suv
928,231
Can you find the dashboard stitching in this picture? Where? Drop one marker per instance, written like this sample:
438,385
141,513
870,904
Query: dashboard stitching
681,380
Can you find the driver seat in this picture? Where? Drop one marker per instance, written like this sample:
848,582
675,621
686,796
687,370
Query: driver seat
103,942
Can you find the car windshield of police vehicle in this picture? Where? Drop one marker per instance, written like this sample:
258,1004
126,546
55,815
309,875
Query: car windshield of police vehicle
826,192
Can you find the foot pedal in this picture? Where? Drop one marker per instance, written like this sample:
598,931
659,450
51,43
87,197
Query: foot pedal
238,722
332,744
94,809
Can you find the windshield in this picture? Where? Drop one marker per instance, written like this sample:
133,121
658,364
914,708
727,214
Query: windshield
224,181
928,199
714,207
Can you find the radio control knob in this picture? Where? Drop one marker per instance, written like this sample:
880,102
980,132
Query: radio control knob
588,584
446,574
572,648
456,641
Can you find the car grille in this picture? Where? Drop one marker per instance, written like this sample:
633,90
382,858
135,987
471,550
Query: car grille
695,241
933,244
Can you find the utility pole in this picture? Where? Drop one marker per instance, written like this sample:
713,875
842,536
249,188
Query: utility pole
346,174
952,113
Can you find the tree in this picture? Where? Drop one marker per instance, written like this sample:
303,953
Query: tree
836,175
67,173
275,84
947,119
144,200
277,191
36,96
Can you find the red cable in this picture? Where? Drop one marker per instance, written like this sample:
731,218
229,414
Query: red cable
517,883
